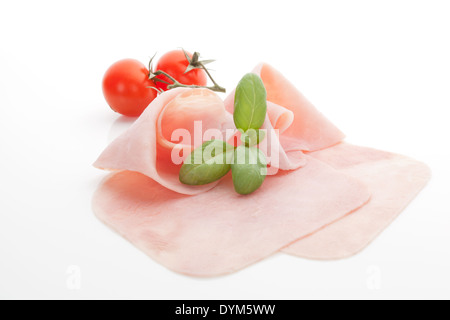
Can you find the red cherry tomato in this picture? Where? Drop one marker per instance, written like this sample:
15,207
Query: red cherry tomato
125,87
175,63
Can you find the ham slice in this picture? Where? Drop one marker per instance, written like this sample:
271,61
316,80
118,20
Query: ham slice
219,231
302,127
147,146
206,231
393,181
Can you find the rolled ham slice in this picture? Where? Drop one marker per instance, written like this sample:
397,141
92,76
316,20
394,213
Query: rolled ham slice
393,181
219,232
147,146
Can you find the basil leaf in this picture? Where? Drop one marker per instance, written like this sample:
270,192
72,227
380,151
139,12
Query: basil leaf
249,169
252,137
250,103
206,164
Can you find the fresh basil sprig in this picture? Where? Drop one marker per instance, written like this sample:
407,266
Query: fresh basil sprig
249,167
215,158
208,163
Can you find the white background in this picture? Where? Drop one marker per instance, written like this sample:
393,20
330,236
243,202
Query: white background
379,69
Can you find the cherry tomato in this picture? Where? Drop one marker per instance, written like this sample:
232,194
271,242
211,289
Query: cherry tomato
175,63
125,87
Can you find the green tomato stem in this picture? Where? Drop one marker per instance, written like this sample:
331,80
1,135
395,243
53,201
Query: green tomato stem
177,84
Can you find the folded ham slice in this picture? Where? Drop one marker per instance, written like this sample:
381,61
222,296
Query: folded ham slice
148,145
302,127
202,231
393,181
219,231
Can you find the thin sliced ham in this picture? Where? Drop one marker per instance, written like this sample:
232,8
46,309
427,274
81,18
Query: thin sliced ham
393,181
322,208
219,231
147,146
302,127
206,231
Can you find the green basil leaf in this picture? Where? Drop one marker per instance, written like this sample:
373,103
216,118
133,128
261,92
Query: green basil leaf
249,169
206,164
250,105
252,137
